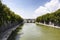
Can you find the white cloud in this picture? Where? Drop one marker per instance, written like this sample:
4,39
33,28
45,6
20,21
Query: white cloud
51,6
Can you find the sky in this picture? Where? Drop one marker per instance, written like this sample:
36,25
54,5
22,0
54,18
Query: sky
32,8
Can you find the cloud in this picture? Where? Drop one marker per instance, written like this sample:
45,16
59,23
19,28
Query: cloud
51,6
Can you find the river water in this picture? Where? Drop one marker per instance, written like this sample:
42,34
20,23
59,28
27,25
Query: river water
31,31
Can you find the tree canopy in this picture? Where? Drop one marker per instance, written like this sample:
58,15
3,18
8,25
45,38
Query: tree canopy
6,15
53,17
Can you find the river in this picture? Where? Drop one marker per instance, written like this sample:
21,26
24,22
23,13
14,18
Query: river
31,31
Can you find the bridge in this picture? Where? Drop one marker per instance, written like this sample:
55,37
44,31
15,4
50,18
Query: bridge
29,20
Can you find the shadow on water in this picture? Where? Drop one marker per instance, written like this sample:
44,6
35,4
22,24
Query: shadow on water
15,32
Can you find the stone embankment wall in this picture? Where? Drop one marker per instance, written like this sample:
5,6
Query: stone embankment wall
7,26
50,24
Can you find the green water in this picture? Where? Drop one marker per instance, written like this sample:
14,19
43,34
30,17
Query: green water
32,31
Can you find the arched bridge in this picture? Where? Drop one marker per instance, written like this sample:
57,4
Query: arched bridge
29,20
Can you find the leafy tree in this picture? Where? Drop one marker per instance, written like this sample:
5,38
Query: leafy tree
6,15
54,17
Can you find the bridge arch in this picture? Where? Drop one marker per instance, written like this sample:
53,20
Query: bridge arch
29,20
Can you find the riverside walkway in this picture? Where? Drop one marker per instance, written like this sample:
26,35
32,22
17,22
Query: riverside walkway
48,25
4,35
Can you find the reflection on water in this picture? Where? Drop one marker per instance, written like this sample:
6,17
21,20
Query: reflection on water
30,31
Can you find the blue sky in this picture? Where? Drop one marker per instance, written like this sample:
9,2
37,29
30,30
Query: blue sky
27,8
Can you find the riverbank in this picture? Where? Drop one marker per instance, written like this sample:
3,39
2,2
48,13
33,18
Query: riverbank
4,35
48,25
14,33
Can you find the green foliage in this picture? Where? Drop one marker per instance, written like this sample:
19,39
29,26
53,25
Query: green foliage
54,17
7,15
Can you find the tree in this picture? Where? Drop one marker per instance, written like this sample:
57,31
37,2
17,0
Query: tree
54,17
